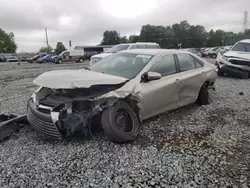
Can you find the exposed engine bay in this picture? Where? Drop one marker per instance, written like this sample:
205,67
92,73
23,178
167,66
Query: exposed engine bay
72,109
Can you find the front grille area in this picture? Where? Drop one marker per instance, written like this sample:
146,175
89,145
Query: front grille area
42,122
239,62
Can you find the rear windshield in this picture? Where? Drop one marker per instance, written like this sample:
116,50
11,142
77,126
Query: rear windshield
242,47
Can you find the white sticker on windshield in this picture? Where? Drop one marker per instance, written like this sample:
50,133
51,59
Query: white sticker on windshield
144,56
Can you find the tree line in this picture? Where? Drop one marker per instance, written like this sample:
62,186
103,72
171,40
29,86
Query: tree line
7,42
190,36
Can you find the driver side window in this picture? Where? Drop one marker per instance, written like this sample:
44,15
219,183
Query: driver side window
165,66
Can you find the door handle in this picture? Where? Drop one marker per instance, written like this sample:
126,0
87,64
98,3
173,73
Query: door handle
177,81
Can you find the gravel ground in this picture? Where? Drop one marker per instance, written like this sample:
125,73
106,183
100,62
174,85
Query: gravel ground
194,146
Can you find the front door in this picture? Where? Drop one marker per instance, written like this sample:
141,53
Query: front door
191,78
161,95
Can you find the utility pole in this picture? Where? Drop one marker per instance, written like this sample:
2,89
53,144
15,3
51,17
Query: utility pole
245,21
47,41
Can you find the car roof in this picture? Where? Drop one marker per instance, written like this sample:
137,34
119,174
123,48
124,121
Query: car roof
137,43
245,41
154,51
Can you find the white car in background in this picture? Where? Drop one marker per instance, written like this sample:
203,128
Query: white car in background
120,47
236,61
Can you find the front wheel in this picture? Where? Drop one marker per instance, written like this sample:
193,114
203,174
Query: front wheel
120,123
245,75
81,60
220,73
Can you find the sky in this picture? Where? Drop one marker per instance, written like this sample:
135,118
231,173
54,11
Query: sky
84,21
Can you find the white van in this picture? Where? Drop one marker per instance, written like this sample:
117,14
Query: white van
120,47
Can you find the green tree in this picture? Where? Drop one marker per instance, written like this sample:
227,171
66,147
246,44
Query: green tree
111,38
46,49
7,42
134,38
59,48
124,39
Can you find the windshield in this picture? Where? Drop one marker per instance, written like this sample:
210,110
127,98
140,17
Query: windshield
118,48
242,47
126,65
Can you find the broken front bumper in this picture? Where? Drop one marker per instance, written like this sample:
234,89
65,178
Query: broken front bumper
42,121
231,68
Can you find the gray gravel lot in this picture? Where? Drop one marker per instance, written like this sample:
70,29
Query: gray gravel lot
195,146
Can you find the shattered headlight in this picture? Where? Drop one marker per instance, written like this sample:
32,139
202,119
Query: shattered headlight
224,58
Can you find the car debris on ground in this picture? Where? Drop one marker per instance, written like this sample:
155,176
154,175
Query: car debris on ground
10,124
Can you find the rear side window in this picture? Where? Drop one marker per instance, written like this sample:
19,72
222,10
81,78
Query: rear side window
152,46
186,62
133,47
165,66
141,46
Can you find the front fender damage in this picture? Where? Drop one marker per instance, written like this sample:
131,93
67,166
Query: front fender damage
81,110
89,119
134,96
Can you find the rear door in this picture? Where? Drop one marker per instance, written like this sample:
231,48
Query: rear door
192,78
161,95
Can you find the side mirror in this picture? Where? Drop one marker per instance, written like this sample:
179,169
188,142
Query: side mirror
150,76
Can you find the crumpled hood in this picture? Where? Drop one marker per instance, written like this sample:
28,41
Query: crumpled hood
69,79
102,55
243,55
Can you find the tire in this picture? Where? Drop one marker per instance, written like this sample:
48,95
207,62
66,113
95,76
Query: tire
81,60
60,61
245,75
203,97
220,73
120,123
33,61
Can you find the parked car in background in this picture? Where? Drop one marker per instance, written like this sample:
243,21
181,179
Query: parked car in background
2,59
236,61
12,59
47,58
119,91
194,51
24,58
89,54
204,52
213,52
35,58
120,47
224,49
71,56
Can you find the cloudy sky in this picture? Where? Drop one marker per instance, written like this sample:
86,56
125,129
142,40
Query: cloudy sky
84,21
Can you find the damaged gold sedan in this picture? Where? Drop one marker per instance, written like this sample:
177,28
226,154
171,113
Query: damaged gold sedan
119,92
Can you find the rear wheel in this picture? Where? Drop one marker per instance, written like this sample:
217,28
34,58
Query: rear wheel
81,60
220,73
120,123
60,61
203,97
